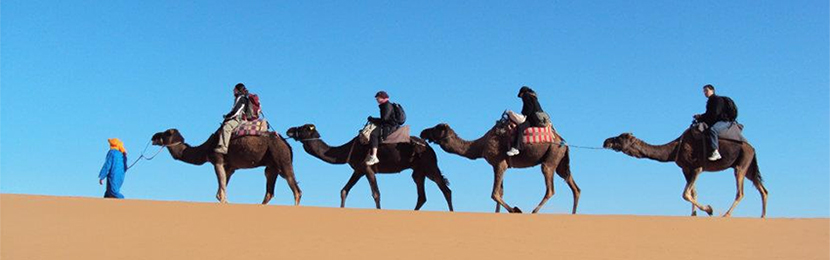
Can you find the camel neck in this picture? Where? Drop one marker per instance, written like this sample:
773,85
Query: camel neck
470,149
663,153
193,155
334,155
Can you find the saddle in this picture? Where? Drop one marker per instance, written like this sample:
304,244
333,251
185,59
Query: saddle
531,135
251,128
401,135
733,133
398,136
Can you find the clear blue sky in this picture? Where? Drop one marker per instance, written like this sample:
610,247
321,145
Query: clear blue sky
75,73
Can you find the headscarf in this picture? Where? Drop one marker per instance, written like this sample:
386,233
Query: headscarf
526,90
116,144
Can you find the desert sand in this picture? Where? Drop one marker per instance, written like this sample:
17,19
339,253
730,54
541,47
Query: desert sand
46,227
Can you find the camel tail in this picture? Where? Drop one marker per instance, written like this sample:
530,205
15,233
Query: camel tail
430,154
753,173
439,175
290,150
446,181
564,167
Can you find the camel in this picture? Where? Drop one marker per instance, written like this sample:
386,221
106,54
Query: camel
688,152
271,151
492,147
394,158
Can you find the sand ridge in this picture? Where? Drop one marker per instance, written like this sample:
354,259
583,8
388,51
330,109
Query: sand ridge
47,227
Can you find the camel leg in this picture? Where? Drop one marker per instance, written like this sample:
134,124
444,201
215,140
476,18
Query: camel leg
270,184
763,191
498,179
445,189
222,178
565,173
419,183
740,173
373,183
501,192
691,176
345,191
548,173
436,176
694,196
288,174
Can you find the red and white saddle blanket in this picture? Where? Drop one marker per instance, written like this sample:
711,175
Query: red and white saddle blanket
246,128
534,135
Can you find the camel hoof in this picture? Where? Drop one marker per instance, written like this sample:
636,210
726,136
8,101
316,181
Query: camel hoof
709,210
516,210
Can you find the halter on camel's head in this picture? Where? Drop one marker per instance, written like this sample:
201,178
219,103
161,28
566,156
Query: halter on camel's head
438,133
303,133
620,142
167,138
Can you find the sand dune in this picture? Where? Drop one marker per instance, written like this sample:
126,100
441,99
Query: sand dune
44,227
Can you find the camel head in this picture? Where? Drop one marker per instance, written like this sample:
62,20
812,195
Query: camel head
171,136
436,134
305,132
620,142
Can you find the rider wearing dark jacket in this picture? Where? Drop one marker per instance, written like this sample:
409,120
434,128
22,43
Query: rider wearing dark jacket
714,110
386,124
530,108
716,118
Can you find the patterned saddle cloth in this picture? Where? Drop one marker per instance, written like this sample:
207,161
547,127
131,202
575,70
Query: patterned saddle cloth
535,135
248,128
532,135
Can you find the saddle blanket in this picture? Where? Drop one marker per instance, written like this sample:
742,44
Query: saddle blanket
399,136
734,132
248,128
534,135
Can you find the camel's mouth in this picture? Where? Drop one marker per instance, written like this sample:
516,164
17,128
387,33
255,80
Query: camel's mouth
156,139
291,132
611,144
426,136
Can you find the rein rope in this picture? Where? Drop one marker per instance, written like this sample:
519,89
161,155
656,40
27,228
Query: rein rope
148,158
563,143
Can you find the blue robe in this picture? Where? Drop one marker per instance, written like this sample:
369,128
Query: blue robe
114,168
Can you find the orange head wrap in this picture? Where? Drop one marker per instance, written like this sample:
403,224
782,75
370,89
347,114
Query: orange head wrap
117,145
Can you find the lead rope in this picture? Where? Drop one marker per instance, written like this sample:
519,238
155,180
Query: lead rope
145,157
